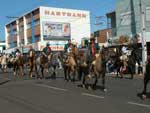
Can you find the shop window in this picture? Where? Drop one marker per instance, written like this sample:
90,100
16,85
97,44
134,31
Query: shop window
28,25
21,28
37,38
37,22
125,18
148,13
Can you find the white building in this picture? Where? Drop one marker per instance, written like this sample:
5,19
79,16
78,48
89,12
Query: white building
47,24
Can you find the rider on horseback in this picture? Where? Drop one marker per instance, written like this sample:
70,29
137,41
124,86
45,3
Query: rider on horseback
31,54
68,46
124,58
93,49
17,53
47,50
31,51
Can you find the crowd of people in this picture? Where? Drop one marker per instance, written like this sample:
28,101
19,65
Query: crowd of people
92,48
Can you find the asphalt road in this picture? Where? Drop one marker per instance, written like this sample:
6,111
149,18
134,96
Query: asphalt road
58,96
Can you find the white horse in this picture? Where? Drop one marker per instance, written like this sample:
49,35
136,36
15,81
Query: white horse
4,60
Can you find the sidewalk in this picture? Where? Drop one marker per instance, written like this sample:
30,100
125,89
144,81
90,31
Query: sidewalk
138,76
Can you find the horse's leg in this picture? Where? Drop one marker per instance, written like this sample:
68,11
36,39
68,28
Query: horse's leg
130,71
95,83
103,81
65,72
54,72
31,70
20,71
69,73
84,80
79,73
146,79
42,71
74,74
14,70
36,71
121,73
118,70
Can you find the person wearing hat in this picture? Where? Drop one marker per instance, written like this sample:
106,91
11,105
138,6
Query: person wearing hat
17,53
47,50
93,50
67,46
31,51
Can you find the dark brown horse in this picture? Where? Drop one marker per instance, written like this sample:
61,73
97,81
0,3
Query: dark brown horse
32,63
98,70
146,80
18,66
47,63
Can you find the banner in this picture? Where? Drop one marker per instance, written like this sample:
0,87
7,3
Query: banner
60,31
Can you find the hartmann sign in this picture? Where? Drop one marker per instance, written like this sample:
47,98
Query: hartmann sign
64,13
61,12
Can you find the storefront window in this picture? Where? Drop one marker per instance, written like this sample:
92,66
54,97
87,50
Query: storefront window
125,18
148,13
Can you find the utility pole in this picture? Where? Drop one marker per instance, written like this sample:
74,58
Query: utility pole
143,36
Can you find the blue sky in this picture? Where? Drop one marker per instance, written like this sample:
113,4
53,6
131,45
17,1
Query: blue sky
18,7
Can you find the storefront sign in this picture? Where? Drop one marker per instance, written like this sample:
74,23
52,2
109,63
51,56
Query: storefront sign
63,13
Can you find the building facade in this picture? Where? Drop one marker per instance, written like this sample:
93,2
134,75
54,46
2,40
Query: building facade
47,24
126,19
102,36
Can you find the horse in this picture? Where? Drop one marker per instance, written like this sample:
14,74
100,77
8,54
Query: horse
128,64
45,62
70,63
69,66
18,65
146,80
98,70
4,61
83,65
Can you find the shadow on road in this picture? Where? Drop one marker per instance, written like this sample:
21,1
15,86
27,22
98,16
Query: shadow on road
98,87
140,95
4,82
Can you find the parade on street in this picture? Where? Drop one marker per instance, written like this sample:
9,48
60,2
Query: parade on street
75,57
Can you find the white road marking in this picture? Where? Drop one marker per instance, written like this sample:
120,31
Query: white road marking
138,104
51,87
90,95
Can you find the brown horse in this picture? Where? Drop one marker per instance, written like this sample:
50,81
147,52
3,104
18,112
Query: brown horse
146,80
18,66
43,62
70,63
69,67
98,70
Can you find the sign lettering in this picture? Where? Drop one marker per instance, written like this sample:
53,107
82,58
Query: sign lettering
68,14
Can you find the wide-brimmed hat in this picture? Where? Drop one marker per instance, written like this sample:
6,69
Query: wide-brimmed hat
92,39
